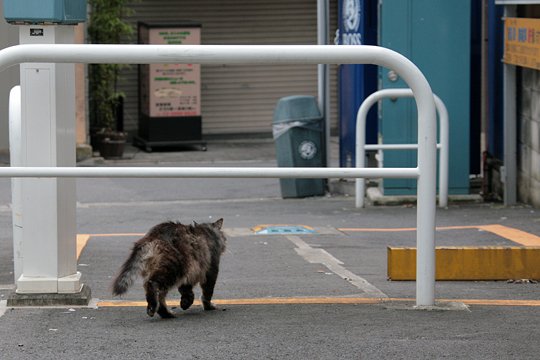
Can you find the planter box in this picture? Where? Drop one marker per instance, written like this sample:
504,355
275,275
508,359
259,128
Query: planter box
112,149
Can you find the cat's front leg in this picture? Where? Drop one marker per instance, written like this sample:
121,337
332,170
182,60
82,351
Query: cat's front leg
208,289
187,296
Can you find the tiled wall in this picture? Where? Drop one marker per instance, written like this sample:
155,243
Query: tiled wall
529,137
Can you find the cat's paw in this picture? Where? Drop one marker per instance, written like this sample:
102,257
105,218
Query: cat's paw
166,314
208,306
150,311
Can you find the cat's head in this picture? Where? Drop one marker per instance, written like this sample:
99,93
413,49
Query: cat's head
215,228
218,224
218,231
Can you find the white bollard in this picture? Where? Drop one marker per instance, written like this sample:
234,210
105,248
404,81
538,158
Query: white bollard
48,139
15,160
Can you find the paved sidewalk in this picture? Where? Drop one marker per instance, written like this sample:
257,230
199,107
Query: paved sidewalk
304,296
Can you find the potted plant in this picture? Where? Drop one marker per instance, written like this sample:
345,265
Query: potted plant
106,25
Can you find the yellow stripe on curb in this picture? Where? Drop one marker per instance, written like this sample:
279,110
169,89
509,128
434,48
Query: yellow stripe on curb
323,301
469,263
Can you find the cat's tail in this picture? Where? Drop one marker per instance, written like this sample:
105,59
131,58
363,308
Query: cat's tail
128,272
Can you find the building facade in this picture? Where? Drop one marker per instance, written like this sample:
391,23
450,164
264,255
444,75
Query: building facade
521,100
239,99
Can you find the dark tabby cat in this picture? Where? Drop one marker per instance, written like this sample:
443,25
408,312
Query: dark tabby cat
174,255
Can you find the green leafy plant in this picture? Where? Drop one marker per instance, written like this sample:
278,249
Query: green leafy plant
106,25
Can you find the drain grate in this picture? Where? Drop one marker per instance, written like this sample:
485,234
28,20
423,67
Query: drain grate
283,229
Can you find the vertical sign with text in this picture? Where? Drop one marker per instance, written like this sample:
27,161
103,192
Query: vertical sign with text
174,90
522,42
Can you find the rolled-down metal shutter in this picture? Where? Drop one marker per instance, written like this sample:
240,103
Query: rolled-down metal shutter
239,98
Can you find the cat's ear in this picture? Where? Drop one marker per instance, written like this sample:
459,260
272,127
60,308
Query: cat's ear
218,224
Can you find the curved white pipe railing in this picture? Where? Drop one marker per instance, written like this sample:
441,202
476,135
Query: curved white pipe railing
269,54
361,147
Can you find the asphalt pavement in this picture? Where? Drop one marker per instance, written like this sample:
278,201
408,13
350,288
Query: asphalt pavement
322,295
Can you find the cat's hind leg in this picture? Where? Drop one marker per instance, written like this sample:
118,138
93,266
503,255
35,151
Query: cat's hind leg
163,311
187,296
151,297
156,292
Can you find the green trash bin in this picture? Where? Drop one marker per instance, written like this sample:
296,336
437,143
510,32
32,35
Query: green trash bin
298,129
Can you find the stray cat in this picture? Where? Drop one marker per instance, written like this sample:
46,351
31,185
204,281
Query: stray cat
174,255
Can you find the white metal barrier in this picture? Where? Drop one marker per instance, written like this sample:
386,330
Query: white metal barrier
16,191
361,146
273,54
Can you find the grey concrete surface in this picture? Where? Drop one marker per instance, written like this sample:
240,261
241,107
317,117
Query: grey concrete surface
267,267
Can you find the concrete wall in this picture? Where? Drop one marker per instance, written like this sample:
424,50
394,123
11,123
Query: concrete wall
529,136
9,35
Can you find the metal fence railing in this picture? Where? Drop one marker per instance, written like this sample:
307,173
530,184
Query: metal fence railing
425,172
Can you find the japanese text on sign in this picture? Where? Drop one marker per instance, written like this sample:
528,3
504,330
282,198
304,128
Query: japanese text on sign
522,42
174,89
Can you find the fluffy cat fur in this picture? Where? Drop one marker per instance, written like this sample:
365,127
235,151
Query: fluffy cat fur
174,255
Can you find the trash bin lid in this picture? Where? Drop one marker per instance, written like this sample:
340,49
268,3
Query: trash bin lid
296,108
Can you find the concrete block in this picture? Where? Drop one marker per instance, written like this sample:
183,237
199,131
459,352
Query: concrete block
534,192
523,187
525,110
469,263
533,98
524,165
535,164
81,298
528,78
83,151
534,134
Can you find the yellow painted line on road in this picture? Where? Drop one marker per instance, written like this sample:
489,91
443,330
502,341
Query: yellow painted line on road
82,240
498,302
116,234
515,235
376,229
439,228
252,301
324,301
518,236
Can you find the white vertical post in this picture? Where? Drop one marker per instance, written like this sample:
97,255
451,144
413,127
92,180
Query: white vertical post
425,213
444,154
15,160
48,139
